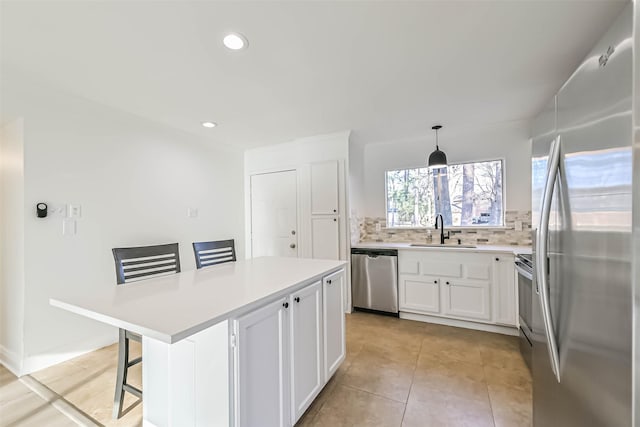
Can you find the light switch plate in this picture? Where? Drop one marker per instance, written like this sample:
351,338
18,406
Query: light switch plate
518,225
74,211
192,212
378,227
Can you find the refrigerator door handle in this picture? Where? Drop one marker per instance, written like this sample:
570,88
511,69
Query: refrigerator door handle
542,272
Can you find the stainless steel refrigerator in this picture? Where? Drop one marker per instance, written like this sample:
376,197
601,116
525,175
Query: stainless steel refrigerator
582,203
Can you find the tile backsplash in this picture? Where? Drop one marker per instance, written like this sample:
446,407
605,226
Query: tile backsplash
506,235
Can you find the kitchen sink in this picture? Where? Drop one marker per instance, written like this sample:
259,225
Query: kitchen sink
432,245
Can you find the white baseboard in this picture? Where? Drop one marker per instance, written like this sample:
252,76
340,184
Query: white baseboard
506,330
10,360
54,356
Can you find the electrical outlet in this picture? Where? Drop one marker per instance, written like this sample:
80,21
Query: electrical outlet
378,227
518,225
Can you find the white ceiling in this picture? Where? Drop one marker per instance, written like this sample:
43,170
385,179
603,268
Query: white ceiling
386,70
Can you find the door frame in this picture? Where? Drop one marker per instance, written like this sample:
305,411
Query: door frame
249,211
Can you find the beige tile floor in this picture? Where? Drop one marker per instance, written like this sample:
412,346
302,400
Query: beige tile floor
397,373
411,374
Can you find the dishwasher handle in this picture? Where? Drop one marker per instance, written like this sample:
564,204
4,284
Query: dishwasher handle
374,253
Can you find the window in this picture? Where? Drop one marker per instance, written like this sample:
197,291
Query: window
466,194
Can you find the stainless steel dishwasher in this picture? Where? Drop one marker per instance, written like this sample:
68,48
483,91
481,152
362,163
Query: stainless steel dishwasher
374,280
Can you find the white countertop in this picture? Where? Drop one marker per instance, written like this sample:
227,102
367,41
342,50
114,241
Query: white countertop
448,247
174,307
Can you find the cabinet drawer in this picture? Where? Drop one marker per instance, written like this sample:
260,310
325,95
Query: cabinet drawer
408,265
441,269
477,271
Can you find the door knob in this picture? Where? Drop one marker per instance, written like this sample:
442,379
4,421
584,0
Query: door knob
292,246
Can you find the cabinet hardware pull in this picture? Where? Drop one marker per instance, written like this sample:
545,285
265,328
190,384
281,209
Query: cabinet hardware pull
297,299
335,210
435,281
328,281
292,246
285,305
497,259
448,283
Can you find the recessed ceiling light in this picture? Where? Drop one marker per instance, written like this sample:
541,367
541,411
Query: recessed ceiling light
235,41
209,124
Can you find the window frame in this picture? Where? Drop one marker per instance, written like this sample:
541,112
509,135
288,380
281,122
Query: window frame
461,227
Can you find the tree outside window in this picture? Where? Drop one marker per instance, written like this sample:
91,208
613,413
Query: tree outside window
466,195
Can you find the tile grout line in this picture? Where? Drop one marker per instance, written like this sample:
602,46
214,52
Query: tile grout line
415,367
486,384
58,402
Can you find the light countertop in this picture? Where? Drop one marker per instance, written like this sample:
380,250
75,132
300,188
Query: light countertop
174,307
448,247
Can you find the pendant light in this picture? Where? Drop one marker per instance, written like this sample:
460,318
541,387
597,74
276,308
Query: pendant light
437,159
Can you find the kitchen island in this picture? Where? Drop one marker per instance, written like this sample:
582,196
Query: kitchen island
245,343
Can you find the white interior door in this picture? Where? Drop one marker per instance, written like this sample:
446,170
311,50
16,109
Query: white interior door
274,223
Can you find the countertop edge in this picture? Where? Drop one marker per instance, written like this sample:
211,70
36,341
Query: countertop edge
448,248
174,337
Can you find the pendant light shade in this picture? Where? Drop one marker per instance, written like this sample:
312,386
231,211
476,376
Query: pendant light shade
437,159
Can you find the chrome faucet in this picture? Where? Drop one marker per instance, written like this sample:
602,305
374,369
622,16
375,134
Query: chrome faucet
442,236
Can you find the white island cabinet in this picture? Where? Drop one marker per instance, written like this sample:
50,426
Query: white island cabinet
237,344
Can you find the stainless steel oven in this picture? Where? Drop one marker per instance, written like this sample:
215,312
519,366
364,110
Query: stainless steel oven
524,267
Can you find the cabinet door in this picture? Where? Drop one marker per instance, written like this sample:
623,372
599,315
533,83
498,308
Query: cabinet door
333,322
504,290
325,238
466,298
261,367
324,188
307,376
420,293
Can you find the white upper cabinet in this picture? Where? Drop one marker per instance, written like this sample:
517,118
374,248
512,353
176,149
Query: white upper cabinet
324,188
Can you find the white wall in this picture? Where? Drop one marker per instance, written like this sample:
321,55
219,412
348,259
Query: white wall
509,141
356,188
134,180
12,244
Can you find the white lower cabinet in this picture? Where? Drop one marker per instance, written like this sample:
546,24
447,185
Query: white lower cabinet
261,395
466,298
283,350
333,323
471,286
307,376
420,293
504,295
